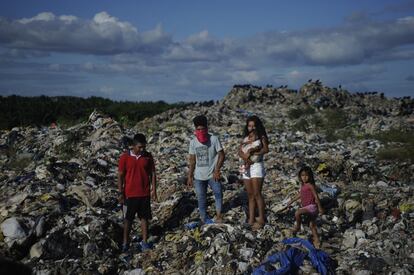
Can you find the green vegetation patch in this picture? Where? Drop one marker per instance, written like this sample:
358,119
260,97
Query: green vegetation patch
334,119
301,125
399,145
19,161
400,153
67,111
331,122
395,135
296,113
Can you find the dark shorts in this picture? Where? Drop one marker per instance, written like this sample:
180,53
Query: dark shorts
140,205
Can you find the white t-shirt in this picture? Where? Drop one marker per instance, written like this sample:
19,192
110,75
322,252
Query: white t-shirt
206,156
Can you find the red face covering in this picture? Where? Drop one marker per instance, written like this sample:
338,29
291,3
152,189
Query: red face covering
202,135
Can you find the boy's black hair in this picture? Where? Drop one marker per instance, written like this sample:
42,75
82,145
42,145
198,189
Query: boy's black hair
308,171
200,120
139,138
260,129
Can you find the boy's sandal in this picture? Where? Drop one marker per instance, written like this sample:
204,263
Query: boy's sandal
209,221
191,225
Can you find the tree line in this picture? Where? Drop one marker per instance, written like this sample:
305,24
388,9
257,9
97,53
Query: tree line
69,110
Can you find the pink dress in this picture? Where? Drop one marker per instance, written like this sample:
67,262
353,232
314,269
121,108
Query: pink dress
308,199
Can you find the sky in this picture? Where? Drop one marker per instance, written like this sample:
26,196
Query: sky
193,50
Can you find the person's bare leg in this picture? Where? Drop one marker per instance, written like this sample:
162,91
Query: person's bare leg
298,219
314,229
250,194
219,217
144,229
127,228
257,190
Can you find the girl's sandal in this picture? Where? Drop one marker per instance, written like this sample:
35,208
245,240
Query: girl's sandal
257,226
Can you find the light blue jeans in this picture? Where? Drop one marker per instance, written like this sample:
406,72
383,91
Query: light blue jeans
201,191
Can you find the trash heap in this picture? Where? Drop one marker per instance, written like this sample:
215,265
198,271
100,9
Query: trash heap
58,199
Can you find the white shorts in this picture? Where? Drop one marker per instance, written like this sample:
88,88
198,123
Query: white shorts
256,170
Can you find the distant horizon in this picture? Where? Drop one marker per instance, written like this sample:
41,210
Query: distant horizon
189,51
207,100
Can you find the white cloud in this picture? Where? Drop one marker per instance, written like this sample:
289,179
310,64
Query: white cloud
294,74
201,47
103,35
349,54
54,67
107,91
186,53
68,18
88,66
350,44
14,54
355,42
44,16
245,76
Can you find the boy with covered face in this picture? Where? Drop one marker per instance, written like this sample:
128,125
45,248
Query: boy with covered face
206,157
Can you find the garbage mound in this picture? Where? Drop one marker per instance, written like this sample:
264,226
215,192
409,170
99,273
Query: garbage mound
59,212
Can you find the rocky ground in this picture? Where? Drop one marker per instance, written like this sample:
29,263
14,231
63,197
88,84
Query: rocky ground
59,213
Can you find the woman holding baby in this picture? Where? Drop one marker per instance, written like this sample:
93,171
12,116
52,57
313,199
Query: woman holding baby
254,145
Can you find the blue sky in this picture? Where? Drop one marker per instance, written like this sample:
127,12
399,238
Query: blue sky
197,50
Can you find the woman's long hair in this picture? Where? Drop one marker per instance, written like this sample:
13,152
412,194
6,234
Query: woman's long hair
308,171
260,129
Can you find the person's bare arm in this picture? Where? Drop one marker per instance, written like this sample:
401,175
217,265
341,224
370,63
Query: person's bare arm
154,186
264,148
191,167
217,169
121,185
318,202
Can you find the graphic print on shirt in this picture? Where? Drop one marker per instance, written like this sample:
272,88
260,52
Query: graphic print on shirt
202,156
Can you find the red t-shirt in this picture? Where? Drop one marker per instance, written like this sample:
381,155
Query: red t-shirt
138,170
306,195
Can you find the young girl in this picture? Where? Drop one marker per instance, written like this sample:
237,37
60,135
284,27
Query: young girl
310,202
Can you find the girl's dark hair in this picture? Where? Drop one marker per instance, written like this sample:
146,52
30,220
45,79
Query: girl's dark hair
260,129
308,171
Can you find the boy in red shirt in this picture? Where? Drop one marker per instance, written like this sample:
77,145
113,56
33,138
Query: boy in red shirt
136,184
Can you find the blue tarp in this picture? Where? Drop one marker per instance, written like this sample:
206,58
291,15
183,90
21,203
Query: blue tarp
292,259
289,260
193,225
332,191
